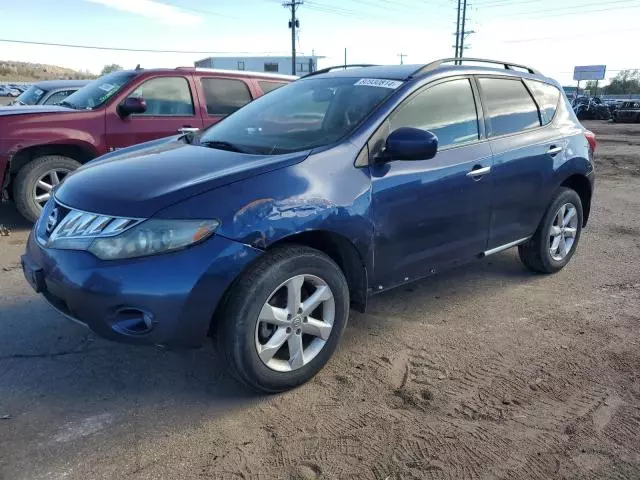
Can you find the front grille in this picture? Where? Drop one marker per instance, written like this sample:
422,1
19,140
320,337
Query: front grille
59,222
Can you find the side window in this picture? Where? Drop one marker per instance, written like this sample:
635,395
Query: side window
270,67
57,97
509,107
547,97
166,96
225,96
447,109
267,87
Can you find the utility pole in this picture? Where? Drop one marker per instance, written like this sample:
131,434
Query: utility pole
293,24
402,55
462,31
345,57
457,31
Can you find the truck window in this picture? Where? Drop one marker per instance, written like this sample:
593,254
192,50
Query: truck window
224,95
57,97
166,96
267,87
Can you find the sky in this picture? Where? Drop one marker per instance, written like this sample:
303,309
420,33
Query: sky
550,35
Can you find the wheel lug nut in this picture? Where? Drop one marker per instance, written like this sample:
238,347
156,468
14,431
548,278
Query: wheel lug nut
300,310
288,316
288,329
298,331
305,319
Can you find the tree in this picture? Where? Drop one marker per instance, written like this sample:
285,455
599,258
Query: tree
114,67
625,82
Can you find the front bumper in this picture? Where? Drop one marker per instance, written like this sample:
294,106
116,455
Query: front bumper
178,292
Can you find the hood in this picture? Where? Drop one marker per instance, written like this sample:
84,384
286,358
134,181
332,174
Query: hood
139,182
23,109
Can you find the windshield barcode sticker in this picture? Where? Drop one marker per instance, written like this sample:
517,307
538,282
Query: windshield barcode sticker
107,87
378,82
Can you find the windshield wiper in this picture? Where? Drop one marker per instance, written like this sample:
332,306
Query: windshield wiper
221,145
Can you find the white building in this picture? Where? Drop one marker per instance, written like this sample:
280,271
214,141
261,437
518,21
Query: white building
304,64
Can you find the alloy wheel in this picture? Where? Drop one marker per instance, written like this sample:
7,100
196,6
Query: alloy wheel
295,323
564,229
45,184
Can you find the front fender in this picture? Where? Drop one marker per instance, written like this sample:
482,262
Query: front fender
324,192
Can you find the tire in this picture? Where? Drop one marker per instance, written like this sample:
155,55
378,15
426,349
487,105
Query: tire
536,253
240,333
25,184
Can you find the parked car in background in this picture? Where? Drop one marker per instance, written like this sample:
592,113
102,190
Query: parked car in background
49,92
6,91
628,112
19,86
41,144
264,229
591,108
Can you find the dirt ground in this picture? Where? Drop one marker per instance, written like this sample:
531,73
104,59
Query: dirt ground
5,100
486,372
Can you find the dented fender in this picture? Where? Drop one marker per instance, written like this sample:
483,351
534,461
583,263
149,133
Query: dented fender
322,193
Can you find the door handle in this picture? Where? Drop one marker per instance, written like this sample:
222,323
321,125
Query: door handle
188,130
478,171
553,150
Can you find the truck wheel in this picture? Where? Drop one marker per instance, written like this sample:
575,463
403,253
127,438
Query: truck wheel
557,236
283,318
33,185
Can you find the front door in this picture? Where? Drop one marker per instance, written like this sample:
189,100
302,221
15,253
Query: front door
170,108
431,214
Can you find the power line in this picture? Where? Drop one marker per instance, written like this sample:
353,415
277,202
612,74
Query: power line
589,34
203,12
122,49
576,10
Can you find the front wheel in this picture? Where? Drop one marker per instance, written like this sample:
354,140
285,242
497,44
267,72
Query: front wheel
283,318
35,181
557,236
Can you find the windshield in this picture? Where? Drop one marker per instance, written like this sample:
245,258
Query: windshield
98,91
31,96
302,115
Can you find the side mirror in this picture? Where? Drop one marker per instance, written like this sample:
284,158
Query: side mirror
407,143
132,105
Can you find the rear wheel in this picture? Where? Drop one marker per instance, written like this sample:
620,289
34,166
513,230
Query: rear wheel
283,318
557,236
35,181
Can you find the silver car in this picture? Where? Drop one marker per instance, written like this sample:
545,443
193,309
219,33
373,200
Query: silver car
49,92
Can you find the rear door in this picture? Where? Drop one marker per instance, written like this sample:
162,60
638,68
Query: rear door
170,108
525,146
432,214
222,96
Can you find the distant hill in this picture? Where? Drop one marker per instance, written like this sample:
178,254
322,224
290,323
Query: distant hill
30,72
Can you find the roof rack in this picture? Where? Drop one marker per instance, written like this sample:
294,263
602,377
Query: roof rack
507,65
338,67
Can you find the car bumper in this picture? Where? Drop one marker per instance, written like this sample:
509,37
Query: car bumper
165,299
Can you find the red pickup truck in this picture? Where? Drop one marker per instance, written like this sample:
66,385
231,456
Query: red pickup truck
40,145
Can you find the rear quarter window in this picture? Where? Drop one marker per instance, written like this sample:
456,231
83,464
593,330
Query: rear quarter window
547,97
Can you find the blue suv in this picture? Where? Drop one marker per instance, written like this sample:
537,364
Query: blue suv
262,231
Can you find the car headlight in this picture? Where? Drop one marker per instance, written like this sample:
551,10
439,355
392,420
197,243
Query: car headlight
152,237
